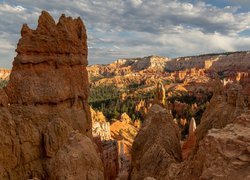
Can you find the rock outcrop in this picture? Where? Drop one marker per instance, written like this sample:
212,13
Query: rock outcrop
222,153
100,127
128,66
234,61
102,130
156,146
110,159
125,118
107,147
45,124
189,143
126,131
182,75
4,74
227,103
97,116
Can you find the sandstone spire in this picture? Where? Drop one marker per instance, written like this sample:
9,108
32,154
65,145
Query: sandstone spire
192,127
156,145
46,126
189,143
160,94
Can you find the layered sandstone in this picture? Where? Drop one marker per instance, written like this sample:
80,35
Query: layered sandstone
156,146
187,73
128,66
124,130
234,61
45,119
107,147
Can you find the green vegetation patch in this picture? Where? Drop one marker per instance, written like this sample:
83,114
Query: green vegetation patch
3,83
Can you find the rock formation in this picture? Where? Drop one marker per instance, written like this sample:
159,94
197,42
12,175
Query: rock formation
226,152
45,124
125,118
216,62
107,147
156,146
189,143
101,129
110,159
184,74
4,74
120,130
160,94
227,103
97,116
127,66
220,151
222,154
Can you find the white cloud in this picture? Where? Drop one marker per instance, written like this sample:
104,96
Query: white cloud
127,28
11,9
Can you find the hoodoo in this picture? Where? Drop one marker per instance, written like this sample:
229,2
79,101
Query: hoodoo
45,124
156,146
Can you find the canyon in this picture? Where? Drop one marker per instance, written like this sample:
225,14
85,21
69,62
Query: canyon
138,118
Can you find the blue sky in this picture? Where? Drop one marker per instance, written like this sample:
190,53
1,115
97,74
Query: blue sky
135,28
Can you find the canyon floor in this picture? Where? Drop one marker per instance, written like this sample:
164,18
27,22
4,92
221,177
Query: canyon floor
138,118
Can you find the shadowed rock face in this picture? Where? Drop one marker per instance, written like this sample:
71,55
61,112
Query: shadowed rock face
156,146
222,154
45,124
227,103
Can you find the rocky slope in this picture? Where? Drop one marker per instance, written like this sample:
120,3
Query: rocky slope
45,124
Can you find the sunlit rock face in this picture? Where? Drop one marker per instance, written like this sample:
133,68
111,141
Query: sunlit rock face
45,124
189,143
4,74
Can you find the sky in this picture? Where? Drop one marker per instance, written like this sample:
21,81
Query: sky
137,28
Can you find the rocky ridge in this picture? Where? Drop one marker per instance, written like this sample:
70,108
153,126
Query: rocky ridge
234,61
